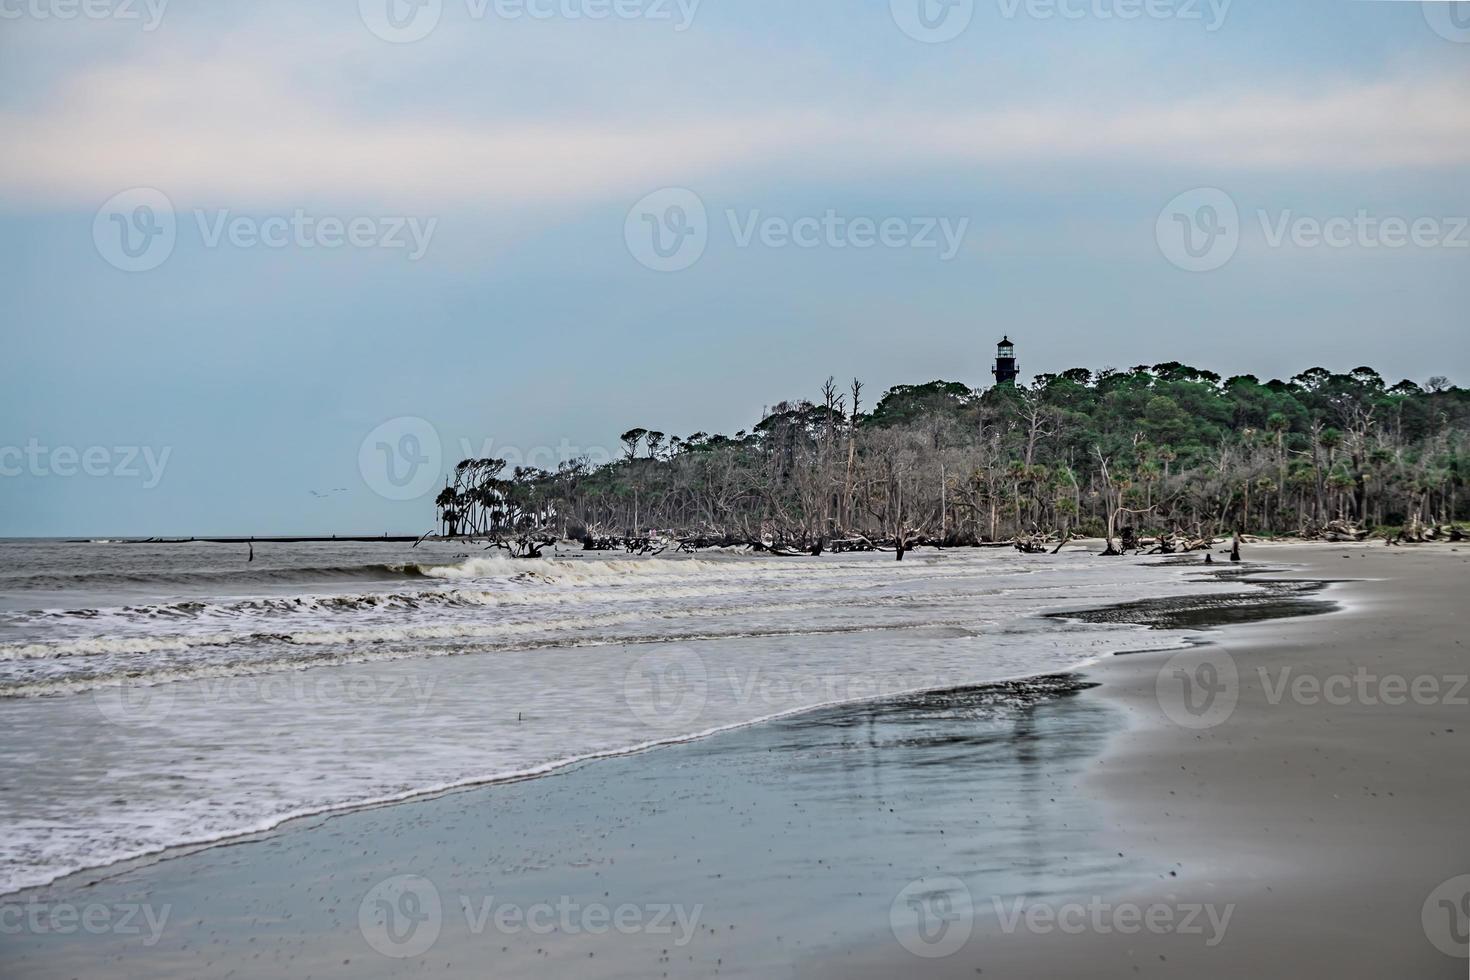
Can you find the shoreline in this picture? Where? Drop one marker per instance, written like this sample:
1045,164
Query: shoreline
1327,824
95,874
1105,683
1132,612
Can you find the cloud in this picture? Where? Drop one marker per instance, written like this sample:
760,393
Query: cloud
230,131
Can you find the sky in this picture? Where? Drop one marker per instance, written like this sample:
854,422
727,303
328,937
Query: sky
272,268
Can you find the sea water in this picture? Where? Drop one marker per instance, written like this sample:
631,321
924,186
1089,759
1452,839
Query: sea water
155,695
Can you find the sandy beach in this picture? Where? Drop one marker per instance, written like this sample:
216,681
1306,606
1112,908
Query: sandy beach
611,489
1327,812
1286,797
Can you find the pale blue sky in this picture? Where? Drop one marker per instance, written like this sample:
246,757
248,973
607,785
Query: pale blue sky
527,322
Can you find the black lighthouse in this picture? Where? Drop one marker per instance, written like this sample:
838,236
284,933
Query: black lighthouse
1005,363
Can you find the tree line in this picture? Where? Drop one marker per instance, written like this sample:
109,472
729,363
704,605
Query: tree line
1166,448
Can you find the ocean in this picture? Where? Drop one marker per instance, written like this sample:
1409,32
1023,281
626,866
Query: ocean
159,695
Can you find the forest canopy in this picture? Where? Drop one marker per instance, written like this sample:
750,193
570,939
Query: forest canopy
1167,447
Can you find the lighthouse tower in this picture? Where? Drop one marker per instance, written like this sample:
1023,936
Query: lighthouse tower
1005,370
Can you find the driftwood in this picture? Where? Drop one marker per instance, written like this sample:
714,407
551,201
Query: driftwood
1034,544
529,544
1417,532
1335,531
1179,543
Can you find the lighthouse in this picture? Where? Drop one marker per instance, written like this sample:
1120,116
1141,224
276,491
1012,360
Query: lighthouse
1005,363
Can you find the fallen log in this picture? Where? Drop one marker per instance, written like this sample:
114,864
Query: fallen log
1335,531
1034,544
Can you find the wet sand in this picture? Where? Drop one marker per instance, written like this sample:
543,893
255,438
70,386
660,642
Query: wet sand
1328,819
895,837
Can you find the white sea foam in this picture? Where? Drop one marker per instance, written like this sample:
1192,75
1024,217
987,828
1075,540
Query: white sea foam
211,715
